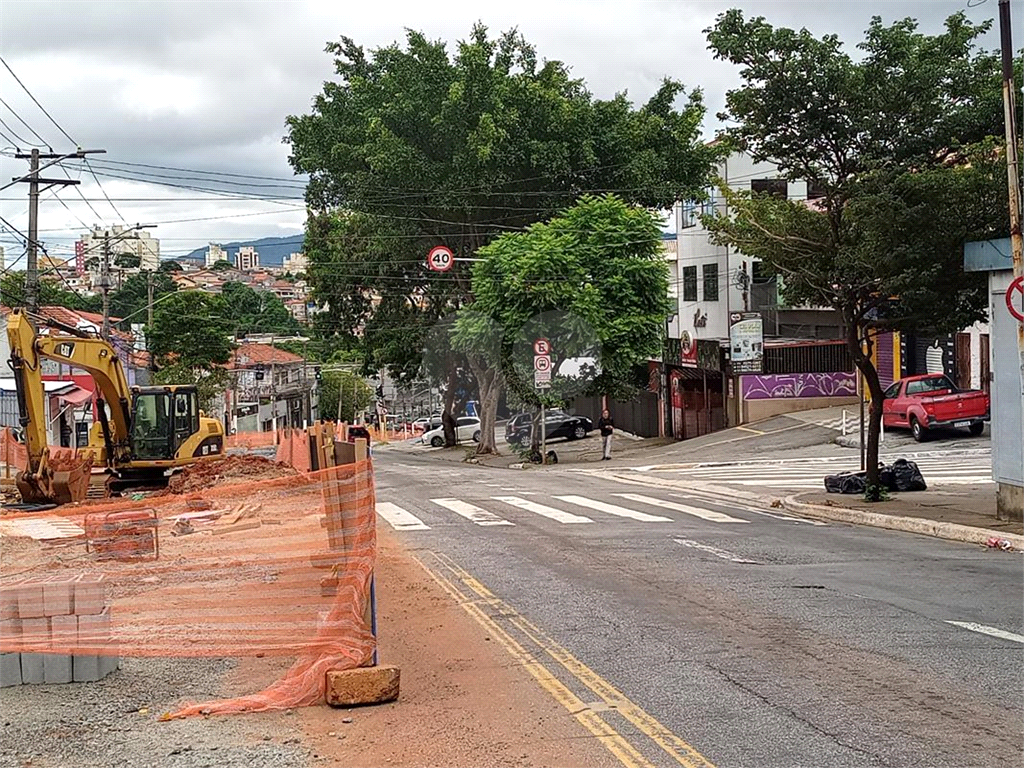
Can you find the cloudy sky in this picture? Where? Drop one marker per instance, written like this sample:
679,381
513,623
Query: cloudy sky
204,87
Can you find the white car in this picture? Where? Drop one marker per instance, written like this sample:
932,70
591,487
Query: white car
467,428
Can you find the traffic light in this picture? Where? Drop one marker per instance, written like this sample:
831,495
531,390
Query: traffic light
380,391
319,375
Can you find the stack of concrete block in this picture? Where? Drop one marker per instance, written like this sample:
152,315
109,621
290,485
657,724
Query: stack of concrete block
51,623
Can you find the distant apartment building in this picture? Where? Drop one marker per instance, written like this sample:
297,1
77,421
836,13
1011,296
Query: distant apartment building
3,261
295,263
214,254
247,259
89,249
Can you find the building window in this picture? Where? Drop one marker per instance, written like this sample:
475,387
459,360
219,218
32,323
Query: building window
687,215
775,187
710,282
689,283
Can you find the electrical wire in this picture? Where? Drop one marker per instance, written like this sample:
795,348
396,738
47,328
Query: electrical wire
29,127
36,101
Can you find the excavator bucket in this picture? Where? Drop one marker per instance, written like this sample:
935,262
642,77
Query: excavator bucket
66,483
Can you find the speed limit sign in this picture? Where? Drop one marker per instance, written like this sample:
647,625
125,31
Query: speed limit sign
440,259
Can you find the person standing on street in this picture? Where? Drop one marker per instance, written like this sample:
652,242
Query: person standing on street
607,426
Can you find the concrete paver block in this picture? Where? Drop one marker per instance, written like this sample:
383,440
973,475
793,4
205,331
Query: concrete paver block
58,595
366,685
109,663
10,669
30,599
9,600
35,632
64,632
57,668
94,630
90,594
85,669
32,668
10,635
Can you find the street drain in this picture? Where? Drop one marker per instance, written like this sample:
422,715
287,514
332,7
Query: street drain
808,586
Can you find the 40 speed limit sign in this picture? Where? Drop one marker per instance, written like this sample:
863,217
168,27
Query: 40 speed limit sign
440,259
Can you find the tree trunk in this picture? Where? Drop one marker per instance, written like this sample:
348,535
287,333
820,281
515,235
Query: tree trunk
489,384
864,364
448,416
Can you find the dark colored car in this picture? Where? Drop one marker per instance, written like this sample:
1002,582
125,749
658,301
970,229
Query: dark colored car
558,424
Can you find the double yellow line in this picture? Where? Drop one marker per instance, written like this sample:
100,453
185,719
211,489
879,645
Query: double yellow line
448,575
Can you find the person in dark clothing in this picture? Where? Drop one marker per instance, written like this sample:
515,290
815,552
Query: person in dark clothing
607,426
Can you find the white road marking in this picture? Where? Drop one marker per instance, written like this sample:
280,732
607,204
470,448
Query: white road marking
706,514
471,512
612,509
400,519
993,631
715,551
540,509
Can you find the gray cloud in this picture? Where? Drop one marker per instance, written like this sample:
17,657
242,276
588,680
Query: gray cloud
207,85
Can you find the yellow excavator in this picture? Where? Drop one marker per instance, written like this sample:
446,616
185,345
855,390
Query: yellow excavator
141,435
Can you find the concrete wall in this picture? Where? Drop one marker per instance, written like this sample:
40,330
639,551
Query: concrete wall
757,410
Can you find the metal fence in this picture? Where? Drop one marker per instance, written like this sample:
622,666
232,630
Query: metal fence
638,416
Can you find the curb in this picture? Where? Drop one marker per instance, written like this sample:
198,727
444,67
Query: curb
950,531
923,526
967,452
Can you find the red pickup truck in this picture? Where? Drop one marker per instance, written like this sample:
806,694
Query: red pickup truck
922,403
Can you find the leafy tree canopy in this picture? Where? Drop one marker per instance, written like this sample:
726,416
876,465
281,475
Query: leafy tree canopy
899,144
252,311
49,294
354,393
191,329
170,265
130,300
414,145
221,264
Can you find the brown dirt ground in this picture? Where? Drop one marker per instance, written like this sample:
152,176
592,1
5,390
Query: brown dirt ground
208,474
463,700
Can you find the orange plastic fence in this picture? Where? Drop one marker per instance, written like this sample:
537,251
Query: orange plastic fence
275,567
251,439
15,455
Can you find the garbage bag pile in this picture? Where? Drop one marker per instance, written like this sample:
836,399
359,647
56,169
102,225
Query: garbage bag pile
901,476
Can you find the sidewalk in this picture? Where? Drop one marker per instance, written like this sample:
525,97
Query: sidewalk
962,506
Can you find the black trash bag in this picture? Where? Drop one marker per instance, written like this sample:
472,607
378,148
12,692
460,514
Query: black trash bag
908,476
847,482
887,478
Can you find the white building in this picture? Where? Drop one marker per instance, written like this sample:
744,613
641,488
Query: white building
247,259
214,254
711,281
295,263
3,261
121,242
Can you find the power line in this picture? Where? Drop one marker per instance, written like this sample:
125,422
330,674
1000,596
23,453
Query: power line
19,138
36,101
29,127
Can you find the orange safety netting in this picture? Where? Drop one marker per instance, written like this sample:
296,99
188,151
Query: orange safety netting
251,439
276,567
14,455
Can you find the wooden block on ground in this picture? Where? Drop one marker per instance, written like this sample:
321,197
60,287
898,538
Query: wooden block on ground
366,685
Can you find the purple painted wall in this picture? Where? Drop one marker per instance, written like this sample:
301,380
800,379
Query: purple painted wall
791,385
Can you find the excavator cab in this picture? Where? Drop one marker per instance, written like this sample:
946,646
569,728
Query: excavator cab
163,419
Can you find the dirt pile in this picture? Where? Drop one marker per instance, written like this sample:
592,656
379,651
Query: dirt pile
230,469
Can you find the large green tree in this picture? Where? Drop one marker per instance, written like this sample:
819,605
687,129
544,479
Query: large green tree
50,294
897,141
591,281
416,145
252,311
131,299
343,395
191,329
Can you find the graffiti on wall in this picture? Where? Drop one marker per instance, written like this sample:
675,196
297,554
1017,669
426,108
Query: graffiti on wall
790,385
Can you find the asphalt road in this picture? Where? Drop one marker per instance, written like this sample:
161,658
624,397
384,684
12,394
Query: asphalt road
727,636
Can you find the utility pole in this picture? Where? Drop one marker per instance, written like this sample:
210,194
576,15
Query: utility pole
33,179
105,284
1012,169
149,298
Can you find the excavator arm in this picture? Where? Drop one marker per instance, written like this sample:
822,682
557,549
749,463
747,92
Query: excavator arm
86,352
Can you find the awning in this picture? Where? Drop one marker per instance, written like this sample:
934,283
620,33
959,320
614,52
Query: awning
75,397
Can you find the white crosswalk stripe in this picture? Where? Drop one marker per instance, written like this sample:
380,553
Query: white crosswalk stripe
613,509
810,473
540,509
706,514
400,519
471,512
